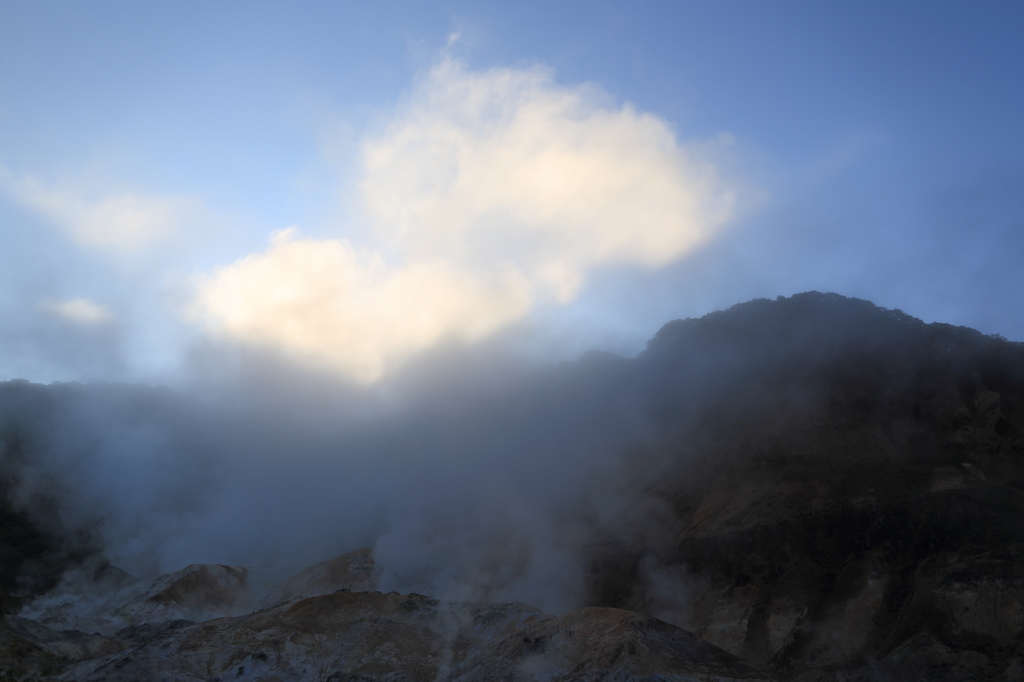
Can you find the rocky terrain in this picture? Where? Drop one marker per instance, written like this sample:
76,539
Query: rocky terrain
336,633
850,506
830,491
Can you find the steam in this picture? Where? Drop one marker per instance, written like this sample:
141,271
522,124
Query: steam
473,474
478,491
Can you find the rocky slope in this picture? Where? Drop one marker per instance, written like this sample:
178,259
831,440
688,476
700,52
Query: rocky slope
347,635
105,605
374,636
848,504
828,491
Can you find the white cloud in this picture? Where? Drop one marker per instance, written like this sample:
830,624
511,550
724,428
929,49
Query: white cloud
121,221
323,300
506,167
79,310
490,191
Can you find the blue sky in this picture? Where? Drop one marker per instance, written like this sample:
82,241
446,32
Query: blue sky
351,184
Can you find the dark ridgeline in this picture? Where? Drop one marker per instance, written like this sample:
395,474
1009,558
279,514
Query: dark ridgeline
847,489
827,489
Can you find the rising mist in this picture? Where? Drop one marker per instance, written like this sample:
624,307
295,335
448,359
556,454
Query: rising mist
473,477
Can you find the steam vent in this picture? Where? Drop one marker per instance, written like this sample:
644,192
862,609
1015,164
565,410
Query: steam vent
811,489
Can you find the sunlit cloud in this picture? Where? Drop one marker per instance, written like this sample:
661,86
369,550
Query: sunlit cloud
79,310
323,300
507,167
489,192
115,221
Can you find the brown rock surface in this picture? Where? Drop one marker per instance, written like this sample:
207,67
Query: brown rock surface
374,636
351,571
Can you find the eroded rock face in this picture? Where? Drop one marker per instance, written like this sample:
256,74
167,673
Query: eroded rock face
374,636
848,504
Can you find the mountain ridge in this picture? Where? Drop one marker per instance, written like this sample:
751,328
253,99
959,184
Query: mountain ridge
824,488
